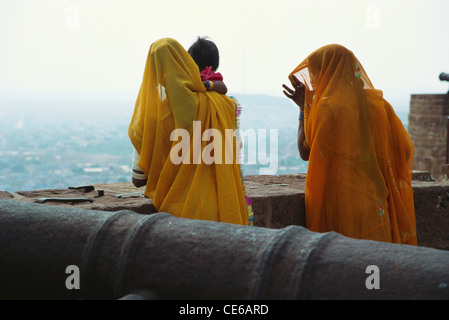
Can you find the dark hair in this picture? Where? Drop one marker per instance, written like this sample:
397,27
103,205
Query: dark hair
205,53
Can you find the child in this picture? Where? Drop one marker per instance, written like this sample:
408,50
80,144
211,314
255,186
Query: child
205,53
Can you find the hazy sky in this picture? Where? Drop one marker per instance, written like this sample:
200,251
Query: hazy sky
62,48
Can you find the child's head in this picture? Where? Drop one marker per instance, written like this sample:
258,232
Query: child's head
205,53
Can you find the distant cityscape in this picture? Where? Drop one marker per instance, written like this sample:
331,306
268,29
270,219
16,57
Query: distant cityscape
59,144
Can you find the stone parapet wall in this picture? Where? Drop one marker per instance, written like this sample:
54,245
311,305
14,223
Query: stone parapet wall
428,130
278,202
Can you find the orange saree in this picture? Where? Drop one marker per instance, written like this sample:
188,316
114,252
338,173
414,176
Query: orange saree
360,163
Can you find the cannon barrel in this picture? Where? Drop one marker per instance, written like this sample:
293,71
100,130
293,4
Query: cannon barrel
119,253
444,76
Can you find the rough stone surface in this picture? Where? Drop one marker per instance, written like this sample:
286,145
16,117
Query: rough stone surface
107,202
428,129
432,214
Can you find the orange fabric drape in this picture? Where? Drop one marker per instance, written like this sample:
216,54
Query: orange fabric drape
360,163
172,99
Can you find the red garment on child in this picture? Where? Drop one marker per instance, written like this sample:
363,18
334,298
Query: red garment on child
209,74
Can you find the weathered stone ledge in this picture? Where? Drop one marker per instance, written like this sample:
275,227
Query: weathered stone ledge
278,201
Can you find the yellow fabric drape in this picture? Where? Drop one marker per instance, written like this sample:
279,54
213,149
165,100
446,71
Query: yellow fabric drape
171,97
360,163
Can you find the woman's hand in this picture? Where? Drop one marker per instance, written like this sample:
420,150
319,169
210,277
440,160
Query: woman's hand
297,94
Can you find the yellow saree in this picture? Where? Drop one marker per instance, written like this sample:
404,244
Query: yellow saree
173,107
360,163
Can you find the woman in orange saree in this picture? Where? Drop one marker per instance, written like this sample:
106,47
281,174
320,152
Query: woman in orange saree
173,110
360,155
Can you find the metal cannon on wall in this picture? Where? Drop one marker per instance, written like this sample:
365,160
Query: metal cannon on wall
121,253
444,77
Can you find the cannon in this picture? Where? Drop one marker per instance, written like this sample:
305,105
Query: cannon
120,254
444,77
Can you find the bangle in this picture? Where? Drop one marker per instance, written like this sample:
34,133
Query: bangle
301,116
138,176
211,85
206,84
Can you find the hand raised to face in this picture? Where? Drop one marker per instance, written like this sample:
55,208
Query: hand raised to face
296,94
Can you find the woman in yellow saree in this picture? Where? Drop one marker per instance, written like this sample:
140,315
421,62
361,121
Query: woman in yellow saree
360,155
174,110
